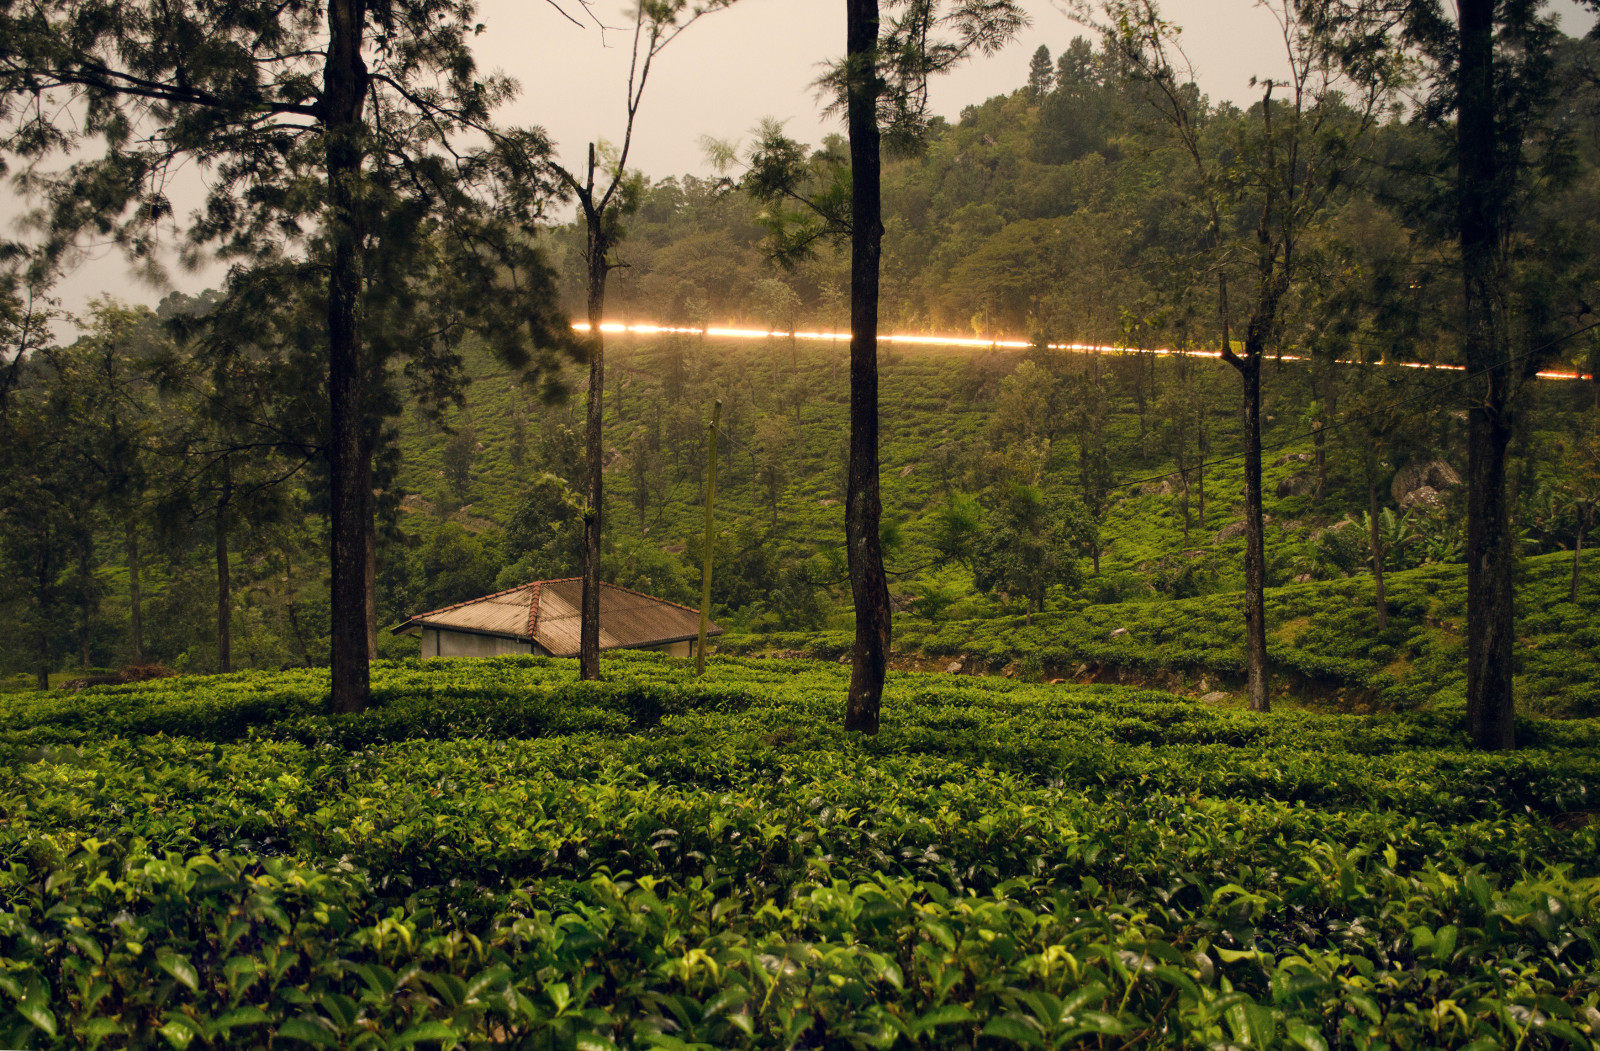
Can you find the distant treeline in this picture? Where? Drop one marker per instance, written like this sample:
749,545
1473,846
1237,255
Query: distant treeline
1062,212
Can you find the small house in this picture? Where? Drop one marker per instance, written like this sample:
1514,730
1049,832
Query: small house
544,618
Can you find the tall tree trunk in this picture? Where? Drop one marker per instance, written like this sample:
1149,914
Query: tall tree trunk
83,629
44,596
863,507
1319,444
1490,547
224,583
1183,477
1577,550
589,626
349,459
85,598
135,591
372,590
1255,562
1255,547
1377,551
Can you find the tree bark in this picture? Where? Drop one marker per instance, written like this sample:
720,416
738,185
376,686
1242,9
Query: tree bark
863,506
1255,555
1201,448
1577,551
135,592
372,590
1490,546
1377,554
224,583
349,462
589,626
1320,444
44,574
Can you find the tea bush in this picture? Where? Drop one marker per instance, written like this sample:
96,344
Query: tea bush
496,854
1325,631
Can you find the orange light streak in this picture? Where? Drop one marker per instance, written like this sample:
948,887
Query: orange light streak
714,332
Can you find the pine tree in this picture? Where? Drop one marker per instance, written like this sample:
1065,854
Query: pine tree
1041,74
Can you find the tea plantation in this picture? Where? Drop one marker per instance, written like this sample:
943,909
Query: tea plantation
499,855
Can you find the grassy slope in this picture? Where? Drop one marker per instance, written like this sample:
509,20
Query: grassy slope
1322,634
1323,630
919,411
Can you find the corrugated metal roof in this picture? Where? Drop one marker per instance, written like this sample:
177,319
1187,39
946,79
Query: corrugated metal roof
550,613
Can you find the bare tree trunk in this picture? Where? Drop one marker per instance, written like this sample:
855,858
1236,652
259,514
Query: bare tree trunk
224,585
1201,448
372,591
863,508
1490,559
349,459
86,573
1320,444
1183,476
1490,547
1319,437
135,592
1577,550
1377,553
44,575
1255,556
589,628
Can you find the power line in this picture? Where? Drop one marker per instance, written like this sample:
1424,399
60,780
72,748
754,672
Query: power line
1456,380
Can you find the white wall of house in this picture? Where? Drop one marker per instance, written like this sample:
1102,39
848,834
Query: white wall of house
445,643
437,643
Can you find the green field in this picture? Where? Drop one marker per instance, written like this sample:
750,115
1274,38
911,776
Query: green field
497,855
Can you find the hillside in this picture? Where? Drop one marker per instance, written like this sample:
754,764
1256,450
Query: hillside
780,572
497,854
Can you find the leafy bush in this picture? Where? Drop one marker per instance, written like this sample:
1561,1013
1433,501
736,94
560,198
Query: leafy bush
673,862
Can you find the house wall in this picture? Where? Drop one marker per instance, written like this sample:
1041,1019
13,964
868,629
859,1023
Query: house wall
445,643
437,643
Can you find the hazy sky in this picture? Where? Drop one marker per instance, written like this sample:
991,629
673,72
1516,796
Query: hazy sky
729,70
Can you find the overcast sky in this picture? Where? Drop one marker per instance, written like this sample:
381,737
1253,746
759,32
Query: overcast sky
729,70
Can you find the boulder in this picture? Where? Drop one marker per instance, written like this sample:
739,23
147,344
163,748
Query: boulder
1161,488
1434,474
1231,531
954,667
1213,697
1288,458
1302,483
1118,633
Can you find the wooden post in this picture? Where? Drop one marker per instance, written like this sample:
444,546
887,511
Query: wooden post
709,544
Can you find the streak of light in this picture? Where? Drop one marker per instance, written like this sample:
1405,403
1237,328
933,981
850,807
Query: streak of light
713,332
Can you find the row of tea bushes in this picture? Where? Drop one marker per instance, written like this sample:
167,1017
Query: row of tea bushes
713,864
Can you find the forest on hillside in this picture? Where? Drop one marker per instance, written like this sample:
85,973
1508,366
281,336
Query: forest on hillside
1014,482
